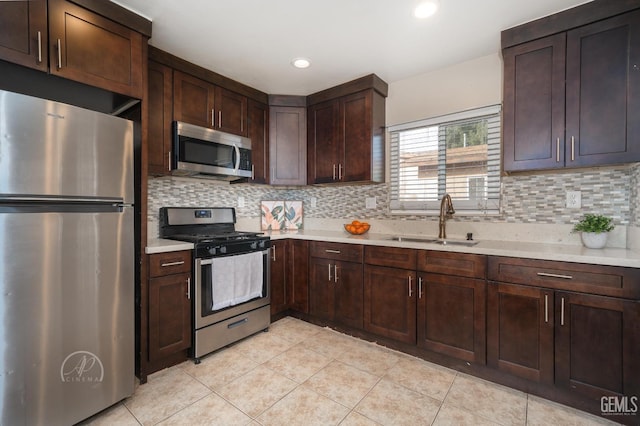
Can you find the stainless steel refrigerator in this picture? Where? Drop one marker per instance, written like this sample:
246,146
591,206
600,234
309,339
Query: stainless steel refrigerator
66,261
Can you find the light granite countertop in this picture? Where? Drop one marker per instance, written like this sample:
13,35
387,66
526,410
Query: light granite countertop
543,251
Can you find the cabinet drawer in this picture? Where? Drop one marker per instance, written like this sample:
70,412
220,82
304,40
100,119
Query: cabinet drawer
175,262
337,251
595,279
390,256
460,264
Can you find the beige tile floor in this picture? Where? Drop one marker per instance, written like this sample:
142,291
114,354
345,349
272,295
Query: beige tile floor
301,374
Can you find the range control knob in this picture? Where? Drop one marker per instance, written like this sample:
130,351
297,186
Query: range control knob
254,245
212,250
262,244
223,249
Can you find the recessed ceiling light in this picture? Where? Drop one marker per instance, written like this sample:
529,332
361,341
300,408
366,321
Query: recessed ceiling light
426,9
301,63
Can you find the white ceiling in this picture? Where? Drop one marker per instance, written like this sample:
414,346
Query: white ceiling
254,41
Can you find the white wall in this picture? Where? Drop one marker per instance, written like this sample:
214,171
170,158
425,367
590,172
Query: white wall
463,86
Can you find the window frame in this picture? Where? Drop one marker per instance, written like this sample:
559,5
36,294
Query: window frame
492,205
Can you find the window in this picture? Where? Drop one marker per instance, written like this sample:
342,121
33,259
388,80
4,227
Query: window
458,154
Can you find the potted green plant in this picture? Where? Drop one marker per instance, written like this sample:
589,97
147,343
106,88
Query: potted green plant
594,229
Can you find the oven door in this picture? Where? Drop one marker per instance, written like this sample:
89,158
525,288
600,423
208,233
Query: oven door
207,280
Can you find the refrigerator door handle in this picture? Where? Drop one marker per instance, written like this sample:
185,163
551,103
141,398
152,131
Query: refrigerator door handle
58,200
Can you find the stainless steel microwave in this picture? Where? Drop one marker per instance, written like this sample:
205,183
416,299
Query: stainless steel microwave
207,153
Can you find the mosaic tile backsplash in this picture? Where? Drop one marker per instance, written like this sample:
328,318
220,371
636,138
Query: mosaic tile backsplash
530,198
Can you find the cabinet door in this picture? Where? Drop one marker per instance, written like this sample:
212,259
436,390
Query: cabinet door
534,96
597,345
232,112
160,116
169,315
193,100
349,293
324,148
258,132
23,33
88,48
603,86
279,296
321,288
298,275
520,331
390,296
355,133
287,145
451,316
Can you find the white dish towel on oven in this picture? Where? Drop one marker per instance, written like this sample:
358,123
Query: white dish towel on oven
236,279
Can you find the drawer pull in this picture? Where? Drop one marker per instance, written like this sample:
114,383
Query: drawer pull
172,263
238,323
332,251
564,277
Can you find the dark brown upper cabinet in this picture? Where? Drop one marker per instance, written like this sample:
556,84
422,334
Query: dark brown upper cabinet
287,145
570,99
345,133
80,44
23,33
258,132
204,104
160,116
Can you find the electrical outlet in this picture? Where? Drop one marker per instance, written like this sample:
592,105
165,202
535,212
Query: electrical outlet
314,202
574,199
240,201
370,202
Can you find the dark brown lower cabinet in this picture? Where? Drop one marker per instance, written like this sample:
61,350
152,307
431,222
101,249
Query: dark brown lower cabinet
335,291
597,345
169,316
279,294
289,276
298,274
520,331
390,296
451,316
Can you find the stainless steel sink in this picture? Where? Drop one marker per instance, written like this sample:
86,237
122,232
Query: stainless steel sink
428,240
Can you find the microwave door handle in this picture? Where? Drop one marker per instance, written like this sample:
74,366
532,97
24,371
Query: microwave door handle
237,158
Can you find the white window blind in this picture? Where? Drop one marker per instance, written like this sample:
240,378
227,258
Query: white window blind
458,154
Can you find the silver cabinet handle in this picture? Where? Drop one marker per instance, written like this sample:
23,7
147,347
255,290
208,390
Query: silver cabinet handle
189,288
546,308
564,277
409,285
59,54
330,273
332,251
213,118
172,263
220,118
39,46
169,164
253,173
562,311
573,148
419,287
558,150
339,171
334,172
273,256
335,273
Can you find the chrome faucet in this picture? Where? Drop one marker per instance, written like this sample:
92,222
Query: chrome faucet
446,211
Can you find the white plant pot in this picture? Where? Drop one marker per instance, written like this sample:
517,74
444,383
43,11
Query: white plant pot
594,240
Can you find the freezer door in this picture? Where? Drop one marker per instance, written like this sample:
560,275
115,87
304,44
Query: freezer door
67,308
49,148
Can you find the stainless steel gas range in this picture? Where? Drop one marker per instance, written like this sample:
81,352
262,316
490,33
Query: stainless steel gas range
230,285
